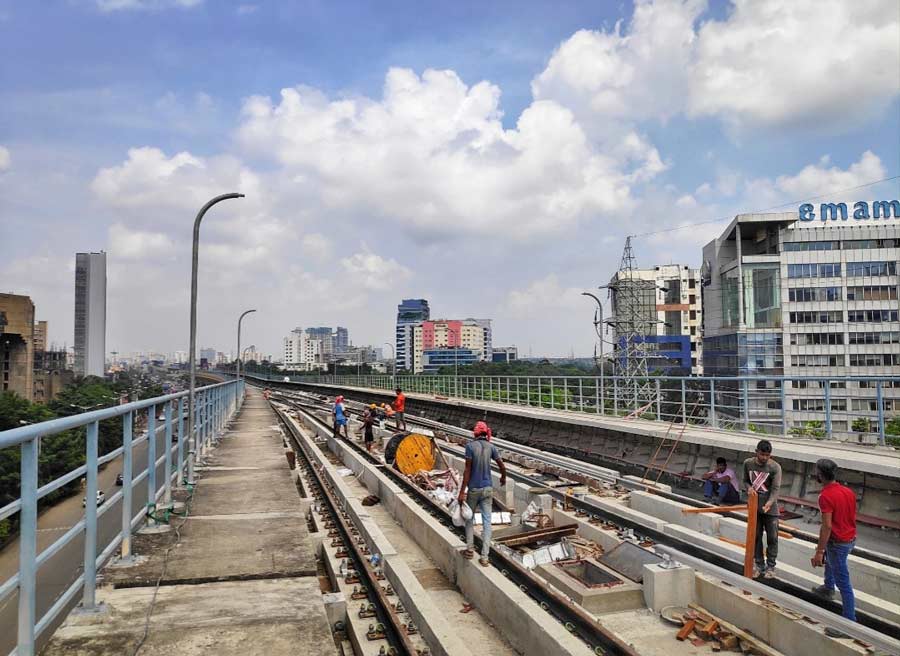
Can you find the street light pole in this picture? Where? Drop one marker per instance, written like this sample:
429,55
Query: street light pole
239,354
192,359
394,365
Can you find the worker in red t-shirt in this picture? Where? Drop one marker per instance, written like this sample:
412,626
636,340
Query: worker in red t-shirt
400,407
837,538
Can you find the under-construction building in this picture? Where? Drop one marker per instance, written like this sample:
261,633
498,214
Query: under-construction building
670,315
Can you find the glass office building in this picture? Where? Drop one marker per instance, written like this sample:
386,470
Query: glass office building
788,298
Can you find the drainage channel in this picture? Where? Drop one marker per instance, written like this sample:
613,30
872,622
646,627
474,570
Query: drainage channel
642,532
576,620
388,625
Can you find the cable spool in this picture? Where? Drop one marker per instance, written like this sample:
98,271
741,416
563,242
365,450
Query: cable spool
411,452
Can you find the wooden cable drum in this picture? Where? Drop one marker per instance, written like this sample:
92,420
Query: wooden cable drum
412,452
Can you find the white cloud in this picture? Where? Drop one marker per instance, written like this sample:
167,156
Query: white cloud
149,179
374,272
5,159
138,245
131,5
316,245
543,297
788,63
432,156
805,63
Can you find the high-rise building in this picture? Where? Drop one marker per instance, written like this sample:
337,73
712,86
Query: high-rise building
505,354
410,312
208,353
90,314
40,336
445,342
303,352
341,339
674,316
782,296
326,336
17,345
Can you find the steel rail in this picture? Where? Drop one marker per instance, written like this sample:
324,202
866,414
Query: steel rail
574,618
395,633
865,619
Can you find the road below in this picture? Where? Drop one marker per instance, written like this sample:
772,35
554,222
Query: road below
58,573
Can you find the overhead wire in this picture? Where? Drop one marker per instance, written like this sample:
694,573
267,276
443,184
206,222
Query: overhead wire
768,209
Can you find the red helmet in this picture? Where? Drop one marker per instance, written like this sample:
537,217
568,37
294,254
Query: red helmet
339,399
481,428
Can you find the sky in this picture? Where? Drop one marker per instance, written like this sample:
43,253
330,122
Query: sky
490,157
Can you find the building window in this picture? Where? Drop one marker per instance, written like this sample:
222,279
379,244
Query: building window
871,316
730,299
817,360
793,246
807,294
872,293
871,269
889,337
762,296
865,244
874,359
816,339
818,405
829,270
828,316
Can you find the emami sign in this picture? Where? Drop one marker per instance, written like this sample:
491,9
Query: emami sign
880,209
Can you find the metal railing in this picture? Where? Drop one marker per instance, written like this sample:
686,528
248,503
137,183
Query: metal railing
215,404
848,408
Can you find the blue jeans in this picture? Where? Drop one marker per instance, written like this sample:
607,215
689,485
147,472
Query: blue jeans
721,491
480,498
837,574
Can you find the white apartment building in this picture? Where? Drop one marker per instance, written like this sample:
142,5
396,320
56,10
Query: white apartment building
807,298
302,352
442,342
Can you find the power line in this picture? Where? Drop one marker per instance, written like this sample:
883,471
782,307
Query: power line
769,209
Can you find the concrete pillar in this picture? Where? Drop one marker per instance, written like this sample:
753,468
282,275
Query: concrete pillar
668,587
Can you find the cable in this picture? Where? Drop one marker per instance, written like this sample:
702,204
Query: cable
162,574
767,209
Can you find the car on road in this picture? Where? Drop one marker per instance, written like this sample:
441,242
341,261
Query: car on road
100,499
119,479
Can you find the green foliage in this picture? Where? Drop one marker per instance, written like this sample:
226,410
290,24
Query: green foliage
861,425
521,368
809,429
892,426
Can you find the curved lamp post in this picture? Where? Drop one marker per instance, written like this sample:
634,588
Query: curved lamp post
239,354
192,359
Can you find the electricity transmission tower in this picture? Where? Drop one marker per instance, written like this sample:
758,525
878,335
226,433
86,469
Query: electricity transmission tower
633,319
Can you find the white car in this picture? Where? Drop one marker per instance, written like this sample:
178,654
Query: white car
100,499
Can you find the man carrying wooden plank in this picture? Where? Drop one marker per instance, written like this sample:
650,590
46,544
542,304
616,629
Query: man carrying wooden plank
763,475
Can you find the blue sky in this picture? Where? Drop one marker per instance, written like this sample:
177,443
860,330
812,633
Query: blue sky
499,185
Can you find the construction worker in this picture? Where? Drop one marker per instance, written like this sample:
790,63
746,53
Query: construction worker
368,426
477,489
339,413
762,476
721,484
399,405
837,537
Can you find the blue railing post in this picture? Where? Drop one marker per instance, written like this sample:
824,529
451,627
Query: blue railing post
127,454
827,408
27,546
745,402
879,398
88,601
712,403
683,402
784,426
167,468
151,463
179,456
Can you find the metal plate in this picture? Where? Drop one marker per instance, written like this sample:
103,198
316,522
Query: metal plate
628,559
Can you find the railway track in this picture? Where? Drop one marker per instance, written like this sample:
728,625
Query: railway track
782,591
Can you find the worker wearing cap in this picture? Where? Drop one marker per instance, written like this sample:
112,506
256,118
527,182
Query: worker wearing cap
399,406
339,413
477,478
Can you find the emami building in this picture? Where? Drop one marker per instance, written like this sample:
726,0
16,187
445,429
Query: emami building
807,298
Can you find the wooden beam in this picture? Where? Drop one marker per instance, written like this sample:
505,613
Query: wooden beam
750,540
759,645
690,511
736,543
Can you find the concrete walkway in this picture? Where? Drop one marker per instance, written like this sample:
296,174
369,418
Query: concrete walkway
236,577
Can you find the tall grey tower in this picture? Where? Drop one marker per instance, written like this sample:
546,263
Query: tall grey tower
90,314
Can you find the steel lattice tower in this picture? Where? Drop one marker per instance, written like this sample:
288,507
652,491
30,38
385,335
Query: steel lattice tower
634,317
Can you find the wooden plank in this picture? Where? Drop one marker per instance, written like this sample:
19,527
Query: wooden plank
686,630
759,645
750,540
736,543
690,511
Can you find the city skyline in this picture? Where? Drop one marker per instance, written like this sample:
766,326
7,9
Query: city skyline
140,142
